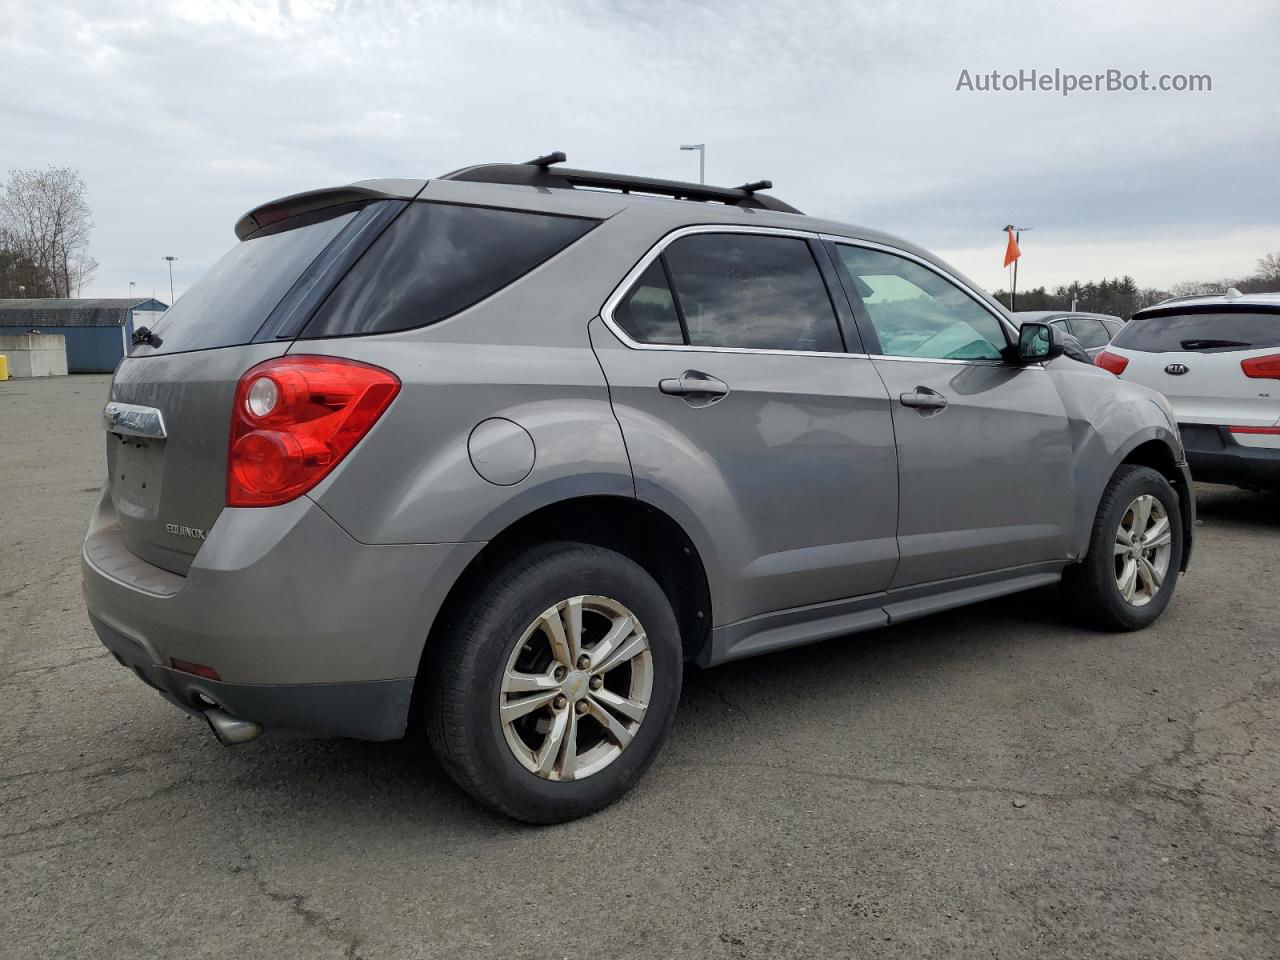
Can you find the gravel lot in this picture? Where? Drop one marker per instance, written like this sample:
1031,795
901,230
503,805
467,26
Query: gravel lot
994,782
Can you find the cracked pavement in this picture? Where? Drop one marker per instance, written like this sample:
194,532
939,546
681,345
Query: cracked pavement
854,798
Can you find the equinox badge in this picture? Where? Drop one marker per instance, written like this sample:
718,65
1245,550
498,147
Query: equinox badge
181,530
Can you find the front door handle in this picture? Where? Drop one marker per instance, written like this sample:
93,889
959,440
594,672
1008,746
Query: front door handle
922,398
695,386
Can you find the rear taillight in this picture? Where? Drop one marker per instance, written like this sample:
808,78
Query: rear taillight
1111,362
294,420
1262,368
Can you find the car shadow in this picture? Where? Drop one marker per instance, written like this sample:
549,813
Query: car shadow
405,787
1231,506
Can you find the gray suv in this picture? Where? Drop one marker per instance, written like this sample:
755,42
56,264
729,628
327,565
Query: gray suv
492,455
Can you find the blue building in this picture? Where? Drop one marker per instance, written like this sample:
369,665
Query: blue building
98,332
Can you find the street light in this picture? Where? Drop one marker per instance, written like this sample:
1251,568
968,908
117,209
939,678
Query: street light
702,158
171,259
132,284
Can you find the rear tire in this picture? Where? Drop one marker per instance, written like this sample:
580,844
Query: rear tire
595,728
1128,575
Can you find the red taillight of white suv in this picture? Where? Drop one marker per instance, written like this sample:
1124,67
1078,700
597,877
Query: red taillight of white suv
294,420
1111,362
1262,368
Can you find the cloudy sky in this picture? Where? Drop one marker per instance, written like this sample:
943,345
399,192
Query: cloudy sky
180,116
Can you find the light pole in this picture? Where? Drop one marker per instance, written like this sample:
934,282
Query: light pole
702,158
171,259
132,284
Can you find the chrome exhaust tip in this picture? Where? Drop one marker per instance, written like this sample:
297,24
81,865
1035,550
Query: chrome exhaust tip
231,730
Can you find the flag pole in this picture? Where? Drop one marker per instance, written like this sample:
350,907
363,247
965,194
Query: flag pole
1013,290
1016,233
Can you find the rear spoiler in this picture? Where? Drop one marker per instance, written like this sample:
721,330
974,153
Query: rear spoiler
312,200
1174,309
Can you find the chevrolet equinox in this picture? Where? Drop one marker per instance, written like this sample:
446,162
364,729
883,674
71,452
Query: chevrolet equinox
492,455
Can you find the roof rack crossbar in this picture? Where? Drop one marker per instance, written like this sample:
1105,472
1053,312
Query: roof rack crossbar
548,159
540,173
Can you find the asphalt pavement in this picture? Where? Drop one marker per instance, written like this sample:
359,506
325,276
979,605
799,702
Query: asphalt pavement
995,782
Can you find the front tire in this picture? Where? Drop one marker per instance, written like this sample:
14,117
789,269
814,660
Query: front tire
1128,575
556,683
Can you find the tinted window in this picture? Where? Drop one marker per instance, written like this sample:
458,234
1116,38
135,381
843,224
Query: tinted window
1200,331
233,298
648,312
916,313
1090,333
437,259
744,290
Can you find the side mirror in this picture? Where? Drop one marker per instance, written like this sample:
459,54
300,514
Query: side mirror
1037,342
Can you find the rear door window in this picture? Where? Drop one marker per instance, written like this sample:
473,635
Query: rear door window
752,291
438,259
234,297
1200,332
1090,333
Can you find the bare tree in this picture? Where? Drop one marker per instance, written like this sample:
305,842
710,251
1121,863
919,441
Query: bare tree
44,214
1269,268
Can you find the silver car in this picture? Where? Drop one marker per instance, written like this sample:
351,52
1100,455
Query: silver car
1093,330
495,454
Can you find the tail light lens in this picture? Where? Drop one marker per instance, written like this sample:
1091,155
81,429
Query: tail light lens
1111,362
295,418
1262,368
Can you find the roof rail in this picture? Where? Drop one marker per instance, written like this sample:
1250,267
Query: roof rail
543,172
1198,296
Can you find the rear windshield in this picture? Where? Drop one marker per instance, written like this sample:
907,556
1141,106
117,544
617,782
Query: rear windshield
231,300
1200,332
438,259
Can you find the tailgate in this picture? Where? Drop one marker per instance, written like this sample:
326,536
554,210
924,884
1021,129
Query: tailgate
167,430
1207,387
168,421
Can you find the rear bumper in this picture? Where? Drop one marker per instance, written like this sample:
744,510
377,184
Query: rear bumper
307,629
1216,457
368,710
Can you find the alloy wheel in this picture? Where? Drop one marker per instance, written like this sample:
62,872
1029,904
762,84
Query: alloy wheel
576,688
1143,546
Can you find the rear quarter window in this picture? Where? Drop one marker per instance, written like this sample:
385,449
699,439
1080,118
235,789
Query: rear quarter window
437,259
1200,332
233,298
1090,333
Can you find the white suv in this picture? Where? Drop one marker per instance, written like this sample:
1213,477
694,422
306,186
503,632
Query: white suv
1217,359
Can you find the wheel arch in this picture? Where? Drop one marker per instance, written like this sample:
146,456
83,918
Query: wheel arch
630,526
1158,449
1163,457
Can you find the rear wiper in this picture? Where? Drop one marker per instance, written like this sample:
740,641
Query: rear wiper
1210,344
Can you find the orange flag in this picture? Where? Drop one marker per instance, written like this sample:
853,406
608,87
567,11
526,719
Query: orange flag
1011,252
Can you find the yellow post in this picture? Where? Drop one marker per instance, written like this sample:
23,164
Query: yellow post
4,367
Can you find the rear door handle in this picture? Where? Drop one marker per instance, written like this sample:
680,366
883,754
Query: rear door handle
694,385
922,398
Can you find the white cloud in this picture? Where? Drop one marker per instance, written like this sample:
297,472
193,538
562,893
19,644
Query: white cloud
181,119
